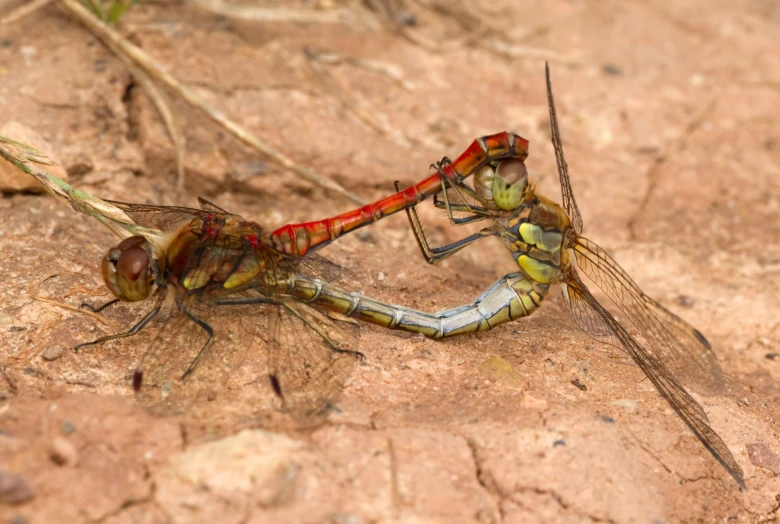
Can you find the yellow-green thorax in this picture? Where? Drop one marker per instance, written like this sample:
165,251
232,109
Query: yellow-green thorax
535,237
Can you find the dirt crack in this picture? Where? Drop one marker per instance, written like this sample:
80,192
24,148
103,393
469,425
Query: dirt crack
566,506
486,479
673,151
132,503
651,454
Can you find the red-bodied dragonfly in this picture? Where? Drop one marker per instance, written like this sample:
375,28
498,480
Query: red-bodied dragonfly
544,239
209,257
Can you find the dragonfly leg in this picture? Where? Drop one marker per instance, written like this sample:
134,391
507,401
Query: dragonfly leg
333,346
244,301
98,309
208,329
129,333
436,254
477,213
462,189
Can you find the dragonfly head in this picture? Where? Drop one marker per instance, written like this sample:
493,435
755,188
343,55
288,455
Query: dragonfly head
130,270
506,184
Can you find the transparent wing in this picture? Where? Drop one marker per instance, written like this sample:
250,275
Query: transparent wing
591,316
569,204
681,347
220,372
205,205
313,265
165,218
310,357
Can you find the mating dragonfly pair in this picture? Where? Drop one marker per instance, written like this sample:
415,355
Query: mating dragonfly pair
209,257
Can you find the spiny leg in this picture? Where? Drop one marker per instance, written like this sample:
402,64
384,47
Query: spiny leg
244,301
132,331
476,213
333,346
462,189
98,309
208,329
436,254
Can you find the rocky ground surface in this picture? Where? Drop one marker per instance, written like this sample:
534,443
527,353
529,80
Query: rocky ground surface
668,114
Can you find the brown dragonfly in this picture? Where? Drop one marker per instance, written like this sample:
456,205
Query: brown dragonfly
209,258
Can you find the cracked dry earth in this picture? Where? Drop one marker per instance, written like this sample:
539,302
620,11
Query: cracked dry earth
671,133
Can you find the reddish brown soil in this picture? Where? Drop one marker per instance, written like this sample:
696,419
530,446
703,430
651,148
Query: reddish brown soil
671,130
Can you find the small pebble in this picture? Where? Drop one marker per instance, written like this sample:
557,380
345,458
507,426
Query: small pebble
68,428
99,65
763,457
607,419
612,70
365,236
16,329
407,19
559,443
381,277
496,369
535,404
627,403
62,452
685,301
53,352
13,488
579,385
772,356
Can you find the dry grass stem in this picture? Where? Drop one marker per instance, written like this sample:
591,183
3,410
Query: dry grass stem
157,71
33,290
280,14
367,116
22,11
391,71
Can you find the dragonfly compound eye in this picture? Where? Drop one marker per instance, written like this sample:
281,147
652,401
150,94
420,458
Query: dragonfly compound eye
127,270
510,184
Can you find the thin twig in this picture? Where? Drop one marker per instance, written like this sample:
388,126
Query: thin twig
351,102
157,71
163,106
521,51
23,10
276,14
27,159
33,290
391,71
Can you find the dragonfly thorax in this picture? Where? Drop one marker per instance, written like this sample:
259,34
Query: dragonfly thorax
535,238
130,270
503,185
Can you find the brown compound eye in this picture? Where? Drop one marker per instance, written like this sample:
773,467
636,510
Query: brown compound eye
509,186
127,270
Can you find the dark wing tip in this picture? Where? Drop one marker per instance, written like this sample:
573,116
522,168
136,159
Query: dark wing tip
701,338
275,385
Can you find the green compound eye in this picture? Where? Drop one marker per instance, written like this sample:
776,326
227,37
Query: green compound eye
510,184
